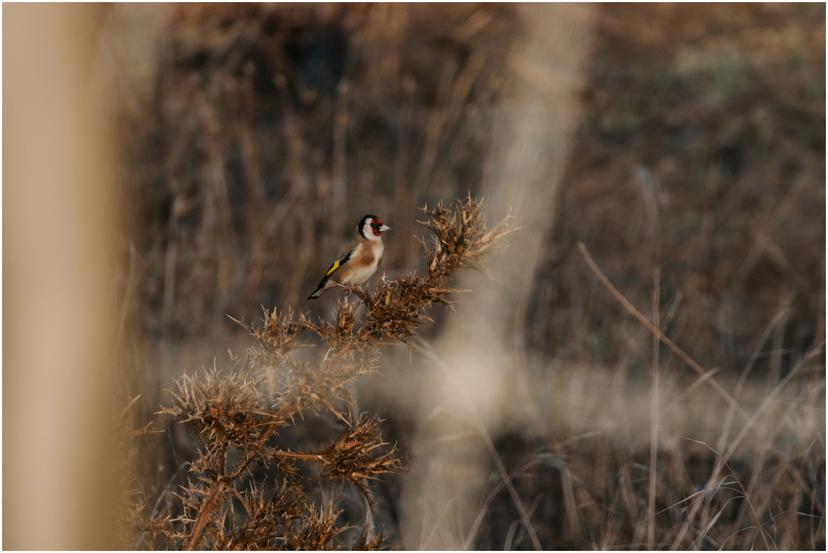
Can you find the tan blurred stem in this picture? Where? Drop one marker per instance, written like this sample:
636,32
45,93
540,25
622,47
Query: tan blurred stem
59,422
654,415
482,347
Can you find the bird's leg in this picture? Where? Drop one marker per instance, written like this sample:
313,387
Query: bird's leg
355,290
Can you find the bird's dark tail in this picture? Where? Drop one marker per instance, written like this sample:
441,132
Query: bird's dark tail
319,289
316,293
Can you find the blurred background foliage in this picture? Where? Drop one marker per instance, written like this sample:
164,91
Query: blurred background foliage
270,130
258,135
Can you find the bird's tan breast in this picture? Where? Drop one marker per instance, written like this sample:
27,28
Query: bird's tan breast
364,263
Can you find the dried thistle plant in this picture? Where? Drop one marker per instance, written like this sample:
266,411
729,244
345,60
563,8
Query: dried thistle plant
238,415
459,237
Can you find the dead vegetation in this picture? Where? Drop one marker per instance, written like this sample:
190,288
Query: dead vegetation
245,491
699,158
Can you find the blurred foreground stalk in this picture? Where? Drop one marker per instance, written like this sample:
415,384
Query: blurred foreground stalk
480,351
59,466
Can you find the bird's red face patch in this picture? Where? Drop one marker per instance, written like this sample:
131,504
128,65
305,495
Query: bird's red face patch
376,225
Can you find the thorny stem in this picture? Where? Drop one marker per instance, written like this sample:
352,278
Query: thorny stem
212,499
210,505
316,457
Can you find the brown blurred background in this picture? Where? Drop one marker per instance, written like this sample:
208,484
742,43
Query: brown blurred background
688,139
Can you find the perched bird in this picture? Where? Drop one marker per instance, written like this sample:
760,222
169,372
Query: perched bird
361,261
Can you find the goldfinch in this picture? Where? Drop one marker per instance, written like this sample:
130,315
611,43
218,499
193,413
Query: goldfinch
361,261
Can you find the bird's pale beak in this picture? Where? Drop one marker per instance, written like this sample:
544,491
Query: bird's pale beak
383,228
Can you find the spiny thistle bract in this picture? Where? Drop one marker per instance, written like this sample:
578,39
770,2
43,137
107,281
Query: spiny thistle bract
237,415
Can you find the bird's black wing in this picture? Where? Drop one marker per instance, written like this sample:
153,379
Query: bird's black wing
335,266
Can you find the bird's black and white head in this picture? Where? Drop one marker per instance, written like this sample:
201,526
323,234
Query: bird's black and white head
371,227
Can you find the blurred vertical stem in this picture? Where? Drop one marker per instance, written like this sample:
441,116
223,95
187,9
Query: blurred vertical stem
654,412
483,346
60,318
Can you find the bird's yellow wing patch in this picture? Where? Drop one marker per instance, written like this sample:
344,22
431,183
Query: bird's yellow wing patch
334,266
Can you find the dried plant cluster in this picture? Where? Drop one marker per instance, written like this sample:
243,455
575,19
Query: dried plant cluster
245,489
